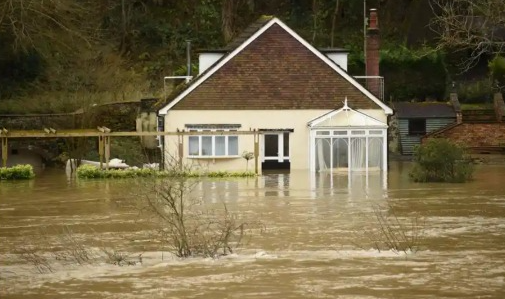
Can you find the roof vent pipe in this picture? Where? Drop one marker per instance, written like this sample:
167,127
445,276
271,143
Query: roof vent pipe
188,57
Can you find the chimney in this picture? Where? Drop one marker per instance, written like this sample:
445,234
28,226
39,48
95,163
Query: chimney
372,54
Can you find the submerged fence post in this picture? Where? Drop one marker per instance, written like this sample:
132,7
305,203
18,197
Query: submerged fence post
4,151
100,150
107,152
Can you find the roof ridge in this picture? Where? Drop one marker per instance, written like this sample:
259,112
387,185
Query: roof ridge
247,32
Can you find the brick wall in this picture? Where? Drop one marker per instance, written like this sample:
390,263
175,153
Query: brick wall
475,135
372,53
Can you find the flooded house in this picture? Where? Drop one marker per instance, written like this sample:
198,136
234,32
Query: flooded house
308,112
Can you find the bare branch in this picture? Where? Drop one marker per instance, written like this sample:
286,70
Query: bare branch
468,25
42,24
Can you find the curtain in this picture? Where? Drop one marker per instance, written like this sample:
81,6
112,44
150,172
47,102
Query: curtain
340,153
375,152
358,153
323,153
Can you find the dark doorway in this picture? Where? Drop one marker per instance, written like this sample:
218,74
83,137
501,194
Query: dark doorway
276,151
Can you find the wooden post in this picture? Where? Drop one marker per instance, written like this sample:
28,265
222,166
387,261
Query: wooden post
180,140
4,151
256,152
104,146
100,150
107,152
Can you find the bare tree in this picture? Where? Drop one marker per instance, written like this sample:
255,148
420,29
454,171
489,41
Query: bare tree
315,18
334,22
227,18
474,25
47,25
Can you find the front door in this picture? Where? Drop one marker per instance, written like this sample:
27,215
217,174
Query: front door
275,151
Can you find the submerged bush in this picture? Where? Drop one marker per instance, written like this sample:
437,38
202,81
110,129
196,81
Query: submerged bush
388,231
87,171
439,160
185,226
18,172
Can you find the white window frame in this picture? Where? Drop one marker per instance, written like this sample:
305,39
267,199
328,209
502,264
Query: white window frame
347,134
281,155
213,154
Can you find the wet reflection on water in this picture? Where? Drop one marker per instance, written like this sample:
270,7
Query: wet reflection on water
311,247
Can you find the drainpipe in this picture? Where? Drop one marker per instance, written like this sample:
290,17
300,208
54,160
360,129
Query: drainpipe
161,140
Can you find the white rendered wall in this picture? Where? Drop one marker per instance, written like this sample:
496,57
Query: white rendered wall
206,60
248,119
340,58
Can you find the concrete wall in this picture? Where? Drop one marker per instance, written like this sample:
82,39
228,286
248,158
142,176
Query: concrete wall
249,120
207,59
340,58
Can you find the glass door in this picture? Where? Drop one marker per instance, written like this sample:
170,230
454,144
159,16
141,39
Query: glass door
275,149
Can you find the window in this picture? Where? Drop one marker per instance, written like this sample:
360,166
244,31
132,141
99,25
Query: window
360,132
213,145
417,126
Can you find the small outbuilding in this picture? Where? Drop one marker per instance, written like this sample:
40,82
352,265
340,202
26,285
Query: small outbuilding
416,119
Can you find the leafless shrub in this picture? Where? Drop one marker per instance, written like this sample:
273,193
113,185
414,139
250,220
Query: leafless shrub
120,258
31,255
72,249
389,232
183,224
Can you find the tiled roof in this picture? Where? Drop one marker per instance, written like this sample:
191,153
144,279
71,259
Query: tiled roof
248,32
232,45
275,71
424,110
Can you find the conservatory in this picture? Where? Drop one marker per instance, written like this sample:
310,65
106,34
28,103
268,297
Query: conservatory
346,140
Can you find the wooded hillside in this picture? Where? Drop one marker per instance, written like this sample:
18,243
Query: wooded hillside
60,55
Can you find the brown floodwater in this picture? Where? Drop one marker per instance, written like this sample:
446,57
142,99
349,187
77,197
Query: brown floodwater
314,241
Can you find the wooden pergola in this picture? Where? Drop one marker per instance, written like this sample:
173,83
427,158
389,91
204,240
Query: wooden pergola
104,136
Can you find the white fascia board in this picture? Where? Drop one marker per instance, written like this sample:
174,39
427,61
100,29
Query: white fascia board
234,53
384,127
324,117
217,66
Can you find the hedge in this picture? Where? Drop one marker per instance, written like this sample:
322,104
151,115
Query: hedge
87,171
18,172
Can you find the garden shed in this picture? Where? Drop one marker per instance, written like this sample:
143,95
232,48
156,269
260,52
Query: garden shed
416,119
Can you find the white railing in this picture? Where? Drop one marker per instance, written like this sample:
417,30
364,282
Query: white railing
369,82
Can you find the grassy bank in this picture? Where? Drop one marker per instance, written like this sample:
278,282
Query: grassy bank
18,172
92,172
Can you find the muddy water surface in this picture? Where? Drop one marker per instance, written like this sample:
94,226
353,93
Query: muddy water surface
314,244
